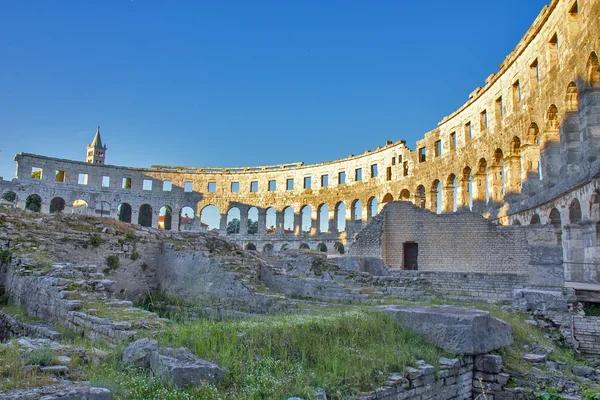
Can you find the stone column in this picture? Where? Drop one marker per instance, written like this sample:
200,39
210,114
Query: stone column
243,220
174,220
530,175
589,118
479,191
365,217
314,221
262,221
297,223
550,153
223,225
155,212
495,184
278,223
331,221
448,199
463,196
512,174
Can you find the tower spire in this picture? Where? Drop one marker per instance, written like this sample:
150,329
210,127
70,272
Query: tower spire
96,151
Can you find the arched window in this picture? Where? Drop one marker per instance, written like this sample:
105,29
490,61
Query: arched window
124,212
210,218
33,203
535,219
420,196
373,207
323,216
253,221
552,117
187,216
57,205
340,216
572,98
387,198
271,220
145,215
233,221
574,211
165,218
593,74
288,221
306,216
102,209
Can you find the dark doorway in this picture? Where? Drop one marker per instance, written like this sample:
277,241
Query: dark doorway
411,253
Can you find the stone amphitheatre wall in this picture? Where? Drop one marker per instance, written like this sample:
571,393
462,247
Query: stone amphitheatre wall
523,149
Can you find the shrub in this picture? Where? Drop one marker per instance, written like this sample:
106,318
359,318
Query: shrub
144,267
41,356
5,256
112,263
96,240
135,255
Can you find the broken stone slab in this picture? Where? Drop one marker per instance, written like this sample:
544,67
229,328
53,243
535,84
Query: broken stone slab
535,358
458,329
138,353
544,300
181,368
59,370
489,363
71,391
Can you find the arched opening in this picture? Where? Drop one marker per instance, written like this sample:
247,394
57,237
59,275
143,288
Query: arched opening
339,247
572,98
516,168
80,207
253,221
187,216
233,221
165,218
356,215
9,196
271,220
534,166
387,198
466,188
593,75
555,221
535,219
436,196
451,193
268,248
102,209
405,195
124,212
145,215
322,248
340,216
306,219
288,221
323,216
499,182
284,247
251,246
372,207
482,181
420,196
57,205
304,246
552,117
210,219
574,211
33,202
516,222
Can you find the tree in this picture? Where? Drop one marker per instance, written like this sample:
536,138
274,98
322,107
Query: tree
168,218
9,196
37,174
233,226
252,227
33,203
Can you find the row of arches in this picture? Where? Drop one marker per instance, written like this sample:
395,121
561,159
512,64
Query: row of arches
270,248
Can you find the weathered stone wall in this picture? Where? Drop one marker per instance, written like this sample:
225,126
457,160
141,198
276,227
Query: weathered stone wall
586,330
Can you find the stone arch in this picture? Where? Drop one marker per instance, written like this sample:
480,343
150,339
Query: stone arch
466,188
535,219
271,220
187,217
436,196
306,219
304,246
145,215
356,216
10,196
80,207
124,212
574,212
102,209
552,117
288,220
57,205
33,203
515,146
165,218
233,221
268,248
284,247
554,220
593,75
450,193
420,196
405,195
251,246
340,216
516,222
533,133
322,247
252,218
498,175
372,208
387,198
210,218
339,247
572,98
323,218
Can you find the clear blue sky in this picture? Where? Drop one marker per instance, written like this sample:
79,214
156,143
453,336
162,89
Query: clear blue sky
230,83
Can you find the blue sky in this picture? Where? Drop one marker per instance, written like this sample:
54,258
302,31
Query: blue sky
231,83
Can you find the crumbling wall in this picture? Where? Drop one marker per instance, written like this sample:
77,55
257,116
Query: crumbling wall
586,330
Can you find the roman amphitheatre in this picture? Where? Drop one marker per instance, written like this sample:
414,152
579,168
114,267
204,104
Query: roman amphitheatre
464,268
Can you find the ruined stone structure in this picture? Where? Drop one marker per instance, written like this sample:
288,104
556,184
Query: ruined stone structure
522,150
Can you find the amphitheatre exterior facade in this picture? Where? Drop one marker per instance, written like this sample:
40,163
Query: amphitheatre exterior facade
523,150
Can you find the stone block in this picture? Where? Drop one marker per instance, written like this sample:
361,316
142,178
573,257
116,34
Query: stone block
459,329
139,353
489,363
181,368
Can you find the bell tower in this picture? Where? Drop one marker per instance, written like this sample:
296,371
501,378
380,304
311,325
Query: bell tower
96,152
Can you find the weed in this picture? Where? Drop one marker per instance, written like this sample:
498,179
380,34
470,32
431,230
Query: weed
112,263
41,356
144,267
5,256
96,240
135,255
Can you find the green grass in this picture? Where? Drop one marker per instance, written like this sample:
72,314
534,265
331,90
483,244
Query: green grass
12,373
18,312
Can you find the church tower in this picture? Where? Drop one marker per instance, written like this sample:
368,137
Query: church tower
96,152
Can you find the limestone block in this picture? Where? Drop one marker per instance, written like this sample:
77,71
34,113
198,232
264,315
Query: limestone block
181,368
544,300
138,353
464,330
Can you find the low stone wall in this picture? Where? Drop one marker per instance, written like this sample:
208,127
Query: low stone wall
11,327
586,331
469,286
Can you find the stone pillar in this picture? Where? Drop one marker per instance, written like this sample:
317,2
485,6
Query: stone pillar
433,199
463,196
297,223
589,120
365,217
550,157
530,175
495,184
314,221
512,175
262,221
278,222
448,199
479,191
223,224
331,221
243,220
575,268
174,220
155,212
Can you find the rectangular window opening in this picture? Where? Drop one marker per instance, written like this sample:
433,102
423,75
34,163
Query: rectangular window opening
126,183
212,187
235,187
516,92
453,141
534,73
438,148
105,181
553,49
574,20
82,179
342,178
254,186
188,187
307,182
405,168
468,131
374,171
167,186
36,173
411,256
483,121
388,174
60,176
358,174
272,186
393,160
324,180
422,155
147,184
289,184
499,108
